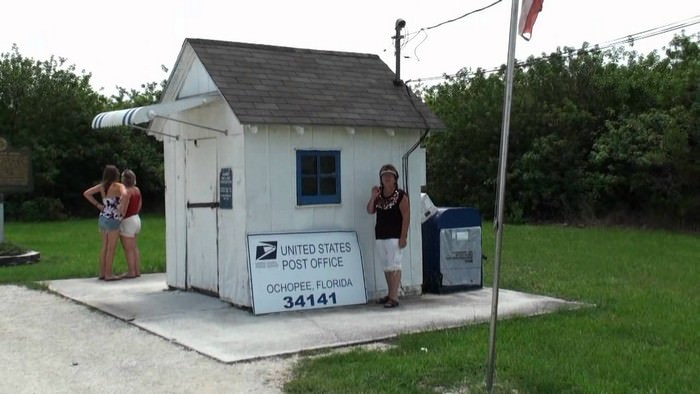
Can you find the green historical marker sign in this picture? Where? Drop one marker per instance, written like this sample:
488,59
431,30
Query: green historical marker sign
15,176
15,169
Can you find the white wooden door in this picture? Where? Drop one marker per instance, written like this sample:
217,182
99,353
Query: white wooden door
202,206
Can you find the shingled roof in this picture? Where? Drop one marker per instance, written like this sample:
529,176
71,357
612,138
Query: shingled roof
266,84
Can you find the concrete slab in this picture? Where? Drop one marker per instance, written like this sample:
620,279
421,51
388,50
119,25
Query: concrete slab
230,334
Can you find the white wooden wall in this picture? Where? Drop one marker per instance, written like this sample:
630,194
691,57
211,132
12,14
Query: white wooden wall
175,221
234,284
175,180
270,180
263,162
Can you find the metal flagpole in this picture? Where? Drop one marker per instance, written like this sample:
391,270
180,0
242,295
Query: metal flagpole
503,160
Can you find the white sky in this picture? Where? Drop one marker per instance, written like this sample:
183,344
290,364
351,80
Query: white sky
125,43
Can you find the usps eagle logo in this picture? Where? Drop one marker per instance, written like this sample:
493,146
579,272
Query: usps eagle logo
266,250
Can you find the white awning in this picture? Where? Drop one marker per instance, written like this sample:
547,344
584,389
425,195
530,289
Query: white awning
138,115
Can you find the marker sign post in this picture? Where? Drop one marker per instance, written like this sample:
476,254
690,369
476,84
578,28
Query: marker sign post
300,271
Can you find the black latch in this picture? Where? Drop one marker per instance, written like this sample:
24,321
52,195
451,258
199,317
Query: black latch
212,205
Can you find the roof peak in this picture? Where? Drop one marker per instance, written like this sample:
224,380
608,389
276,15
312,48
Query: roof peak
278,48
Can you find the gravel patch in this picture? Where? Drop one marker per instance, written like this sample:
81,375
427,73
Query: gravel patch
52,344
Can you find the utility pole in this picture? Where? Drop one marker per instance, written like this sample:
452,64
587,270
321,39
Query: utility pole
400,24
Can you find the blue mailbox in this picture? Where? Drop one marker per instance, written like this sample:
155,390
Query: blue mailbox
452,250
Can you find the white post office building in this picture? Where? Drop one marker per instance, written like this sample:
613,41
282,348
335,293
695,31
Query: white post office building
270,155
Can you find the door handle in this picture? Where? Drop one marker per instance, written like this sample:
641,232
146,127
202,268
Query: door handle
212,205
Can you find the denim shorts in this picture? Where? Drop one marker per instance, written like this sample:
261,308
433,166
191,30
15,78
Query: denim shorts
108,224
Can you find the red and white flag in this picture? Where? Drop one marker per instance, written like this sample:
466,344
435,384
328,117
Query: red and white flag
528,16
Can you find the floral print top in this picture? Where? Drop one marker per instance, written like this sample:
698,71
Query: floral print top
388,202
110,208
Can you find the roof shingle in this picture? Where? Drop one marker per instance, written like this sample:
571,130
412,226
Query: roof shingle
280,85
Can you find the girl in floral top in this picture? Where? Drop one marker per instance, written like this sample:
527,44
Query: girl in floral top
111,212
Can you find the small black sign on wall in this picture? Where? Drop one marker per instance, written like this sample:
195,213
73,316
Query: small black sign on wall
226,188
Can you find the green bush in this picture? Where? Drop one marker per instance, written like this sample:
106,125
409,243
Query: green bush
595,136
41,209
10,249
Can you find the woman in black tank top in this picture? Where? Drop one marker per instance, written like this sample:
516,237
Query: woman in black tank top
391,229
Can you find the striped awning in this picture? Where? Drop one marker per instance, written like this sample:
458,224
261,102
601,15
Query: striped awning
138,115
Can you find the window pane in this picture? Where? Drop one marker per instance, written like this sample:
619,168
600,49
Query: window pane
308,165
327,164
318,177
328,186
308,186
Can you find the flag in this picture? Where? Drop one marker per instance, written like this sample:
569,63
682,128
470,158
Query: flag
528,16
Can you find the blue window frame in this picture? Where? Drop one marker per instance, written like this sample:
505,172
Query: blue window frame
318,177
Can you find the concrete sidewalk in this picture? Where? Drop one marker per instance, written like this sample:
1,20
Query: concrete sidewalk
229,334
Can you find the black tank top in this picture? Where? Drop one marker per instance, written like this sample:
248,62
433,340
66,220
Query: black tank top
389,218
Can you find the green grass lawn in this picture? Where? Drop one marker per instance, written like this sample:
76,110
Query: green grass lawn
641,336
71,249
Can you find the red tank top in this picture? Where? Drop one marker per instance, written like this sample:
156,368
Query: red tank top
134,202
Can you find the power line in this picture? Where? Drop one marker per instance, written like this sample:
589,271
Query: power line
465,15
630,39
410,36
605,45
624,38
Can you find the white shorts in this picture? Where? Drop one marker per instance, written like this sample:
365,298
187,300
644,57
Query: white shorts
130,226
389,253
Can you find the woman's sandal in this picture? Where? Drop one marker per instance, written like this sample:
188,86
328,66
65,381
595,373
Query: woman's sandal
391,303
383,300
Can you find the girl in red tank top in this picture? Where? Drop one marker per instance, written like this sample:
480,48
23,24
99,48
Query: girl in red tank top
131,224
